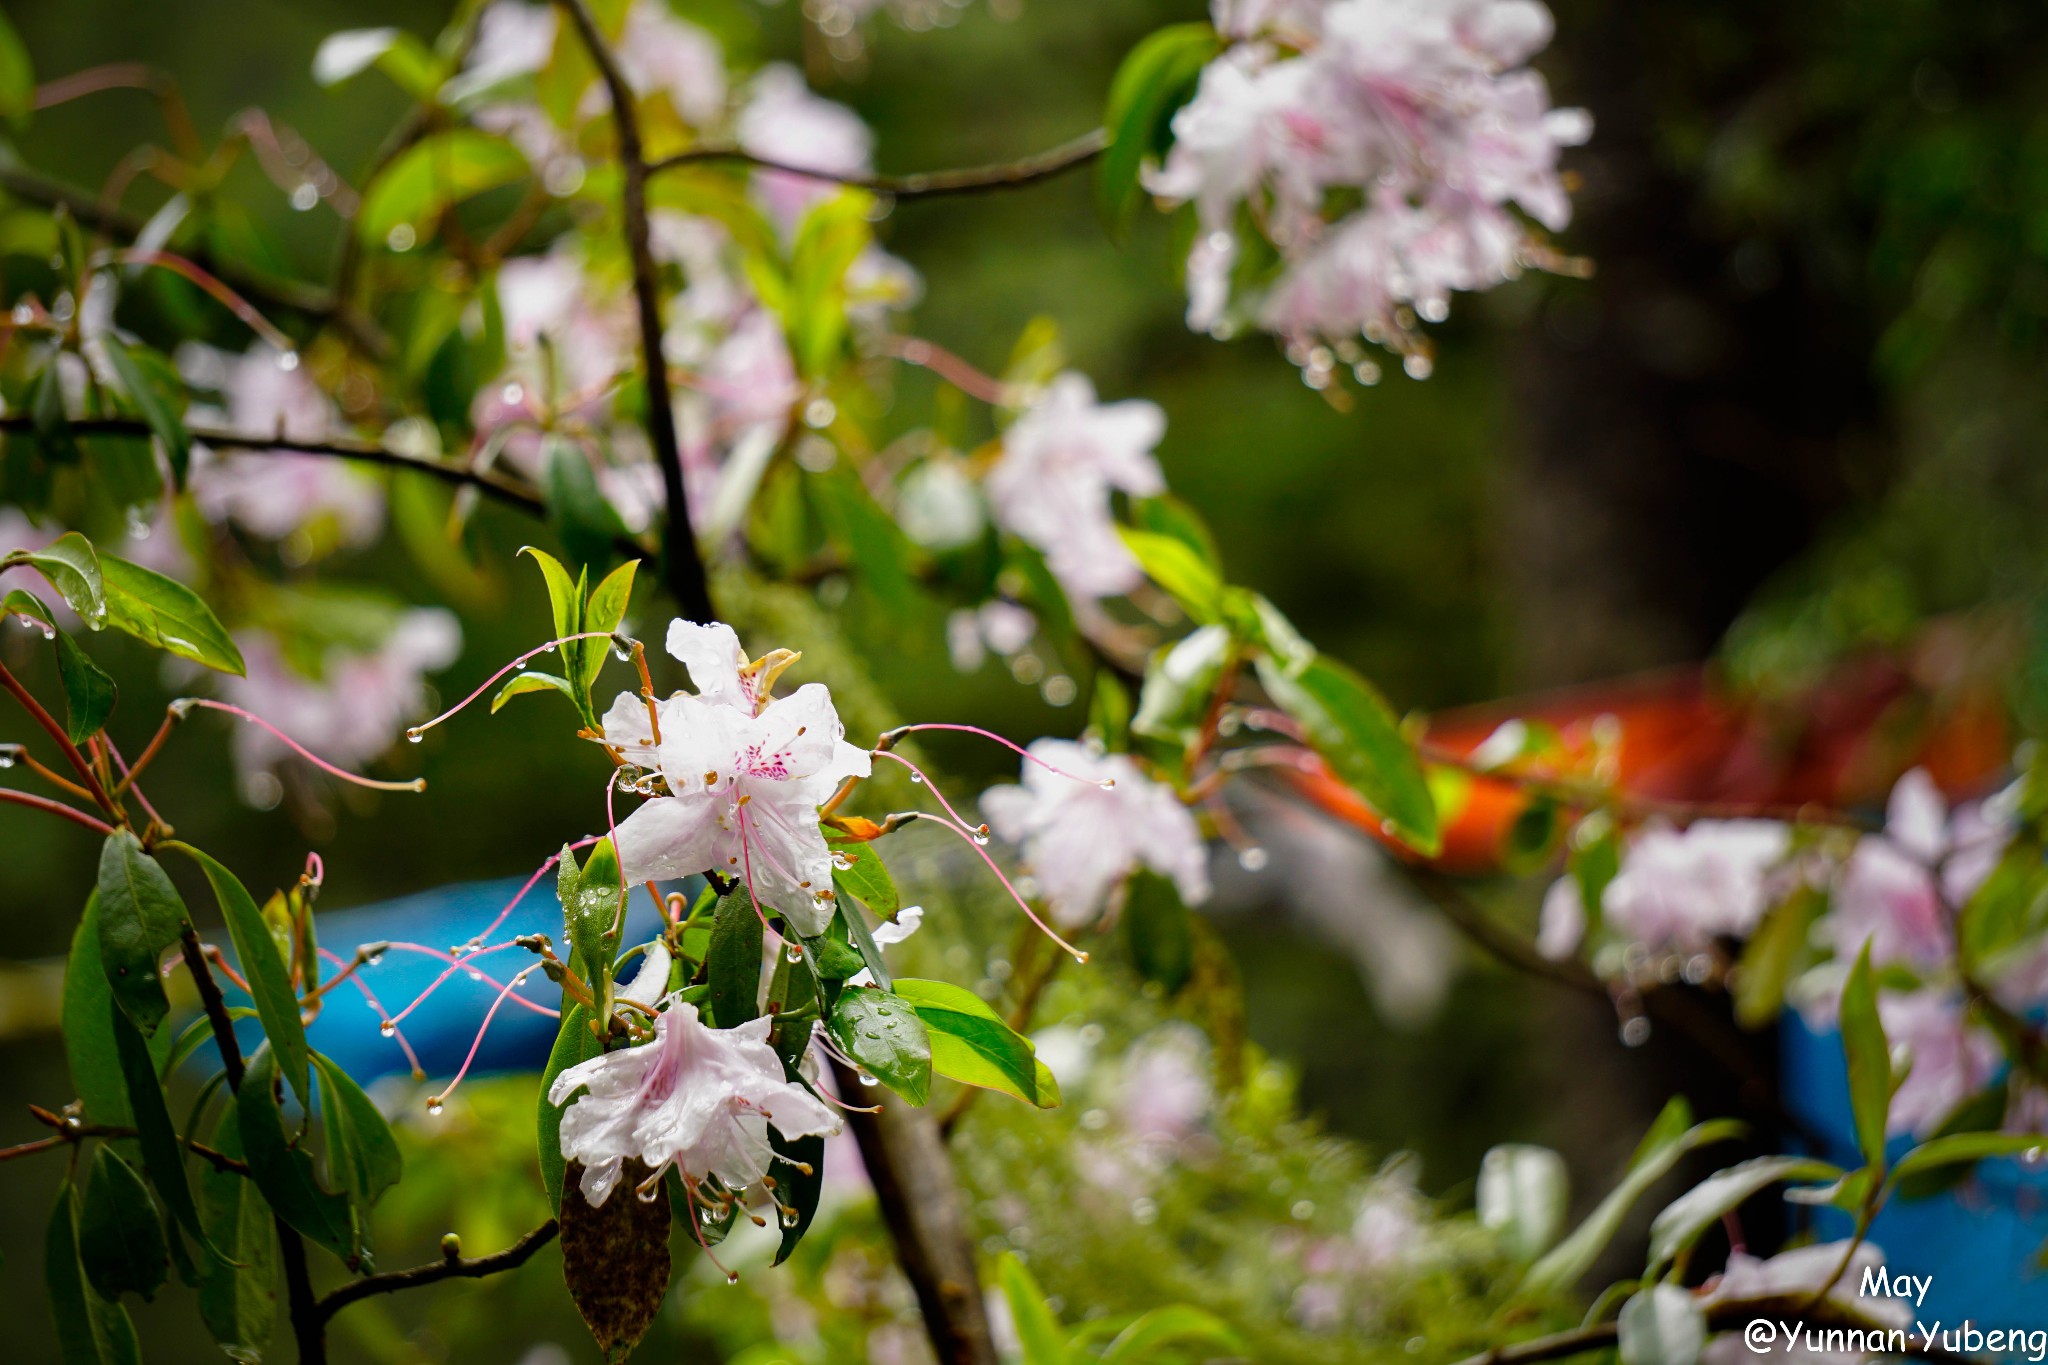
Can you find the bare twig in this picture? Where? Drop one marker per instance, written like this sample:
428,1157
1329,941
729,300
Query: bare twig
505,490
44,803
1003,175
682,564
449,1267
71,1133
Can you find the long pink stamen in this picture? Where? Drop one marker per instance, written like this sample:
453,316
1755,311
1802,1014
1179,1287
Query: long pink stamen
416,731
412,1058
1011,745
492,928
227,297
697,1225
972,831
436,1101
122,764
747,867
1022,904
455,965
418,784
462,963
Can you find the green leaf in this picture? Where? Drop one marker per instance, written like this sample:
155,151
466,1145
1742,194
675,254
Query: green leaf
48,418
616,1261
1346,722
577,508
1154,80
733,962
1177,1324
593,899
1670,1138
874,545
90,1331
140,915
562,595
72,567
530,681
1773,955
574,1044
865,875
158,397
434,174
89,694
1168,515
1662,1325
1039,1333
604,611
971,1043
1521,1197
88,1033
270,984
284,1173
797,1190
120,1238
163,1157
163,612
1109,712
238,1293
1674,1230
363,1159
17,75
859,935
1169,562
1869,1059
1963,1149
833,960
884,1033
1180,684
1158,930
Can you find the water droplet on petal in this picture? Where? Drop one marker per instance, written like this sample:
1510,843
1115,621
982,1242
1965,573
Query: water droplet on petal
841,861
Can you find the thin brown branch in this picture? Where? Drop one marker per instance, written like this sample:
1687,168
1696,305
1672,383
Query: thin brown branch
71,1133
497,486
56,732
449,1267
44,803
308,1327
55,779
1004,175
682,562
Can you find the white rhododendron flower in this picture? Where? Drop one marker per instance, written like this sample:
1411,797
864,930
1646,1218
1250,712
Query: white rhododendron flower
784,122
1951,1060
1423,106
1061,461
695,1098
1081,838
352,711
745,772
1897,890
1678,889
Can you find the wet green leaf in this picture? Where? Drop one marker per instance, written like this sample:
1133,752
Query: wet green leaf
1869,1059
733,962
884,1034
283,1172
238,1293
90,1330
435,173
270,984
865,875
152,385
71,566
1155,79
120,1237
971,1043
140,916
163,1156
165,613
1348,724
363,1159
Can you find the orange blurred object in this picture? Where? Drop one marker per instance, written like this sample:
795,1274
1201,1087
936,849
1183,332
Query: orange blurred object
1674,735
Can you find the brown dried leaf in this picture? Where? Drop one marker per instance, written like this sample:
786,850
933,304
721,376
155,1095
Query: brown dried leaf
615,1259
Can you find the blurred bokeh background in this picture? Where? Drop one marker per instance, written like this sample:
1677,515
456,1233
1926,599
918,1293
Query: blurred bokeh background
1800,396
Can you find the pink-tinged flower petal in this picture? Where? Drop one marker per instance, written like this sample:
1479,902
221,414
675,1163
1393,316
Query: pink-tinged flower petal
670,837
714,657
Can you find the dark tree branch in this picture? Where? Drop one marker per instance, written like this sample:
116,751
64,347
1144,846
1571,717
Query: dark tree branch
682,563
505,490
308,1327
454,1267
923,184
69,1132
920,1200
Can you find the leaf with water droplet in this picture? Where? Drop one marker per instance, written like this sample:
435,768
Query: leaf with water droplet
165,613
615,1258
879,1031
732,963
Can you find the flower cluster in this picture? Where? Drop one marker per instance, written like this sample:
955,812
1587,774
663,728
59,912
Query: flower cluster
1692,895
1383,148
